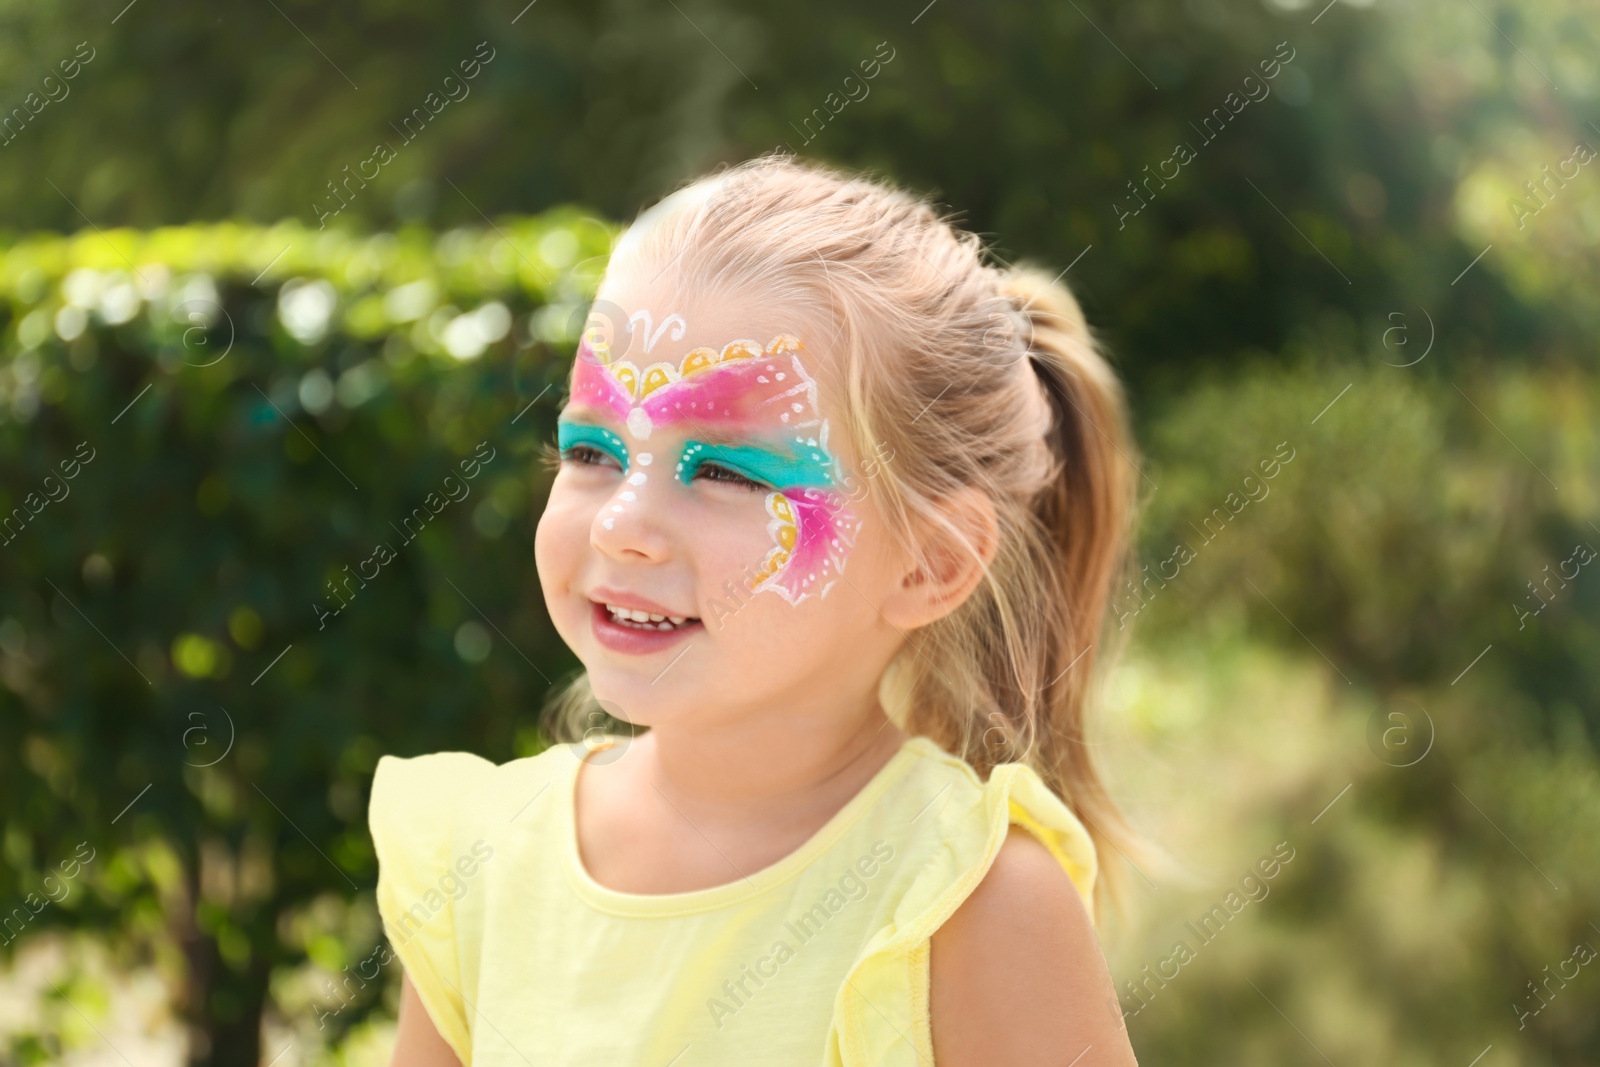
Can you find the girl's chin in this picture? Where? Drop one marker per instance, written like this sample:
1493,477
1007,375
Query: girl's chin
629,697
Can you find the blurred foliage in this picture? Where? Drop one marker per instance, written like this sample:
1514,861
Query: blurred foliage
1349,659
245,414
1380,161
253,391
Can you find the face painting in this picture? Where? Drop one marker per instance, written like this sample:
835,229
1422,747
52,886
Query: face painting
754,411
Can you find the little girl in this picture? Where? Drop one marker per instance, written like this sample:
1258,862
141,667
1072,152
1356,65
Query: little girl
837,511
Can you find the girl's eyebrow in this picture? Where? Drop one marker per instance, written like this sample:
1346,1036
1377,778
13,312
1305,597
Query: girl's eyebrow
721,433
583,411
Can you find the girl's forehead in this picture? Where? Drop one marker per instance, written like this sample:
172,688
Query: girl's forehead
644,324
678,360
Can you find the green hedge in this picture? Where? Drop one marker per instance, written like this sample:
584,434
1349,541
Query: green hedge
205,434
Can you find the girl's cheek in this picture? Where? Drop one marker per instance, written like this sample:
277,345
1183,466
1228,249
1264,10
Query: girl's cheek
562,533
580,491
732,541
544,538
812,532
774,549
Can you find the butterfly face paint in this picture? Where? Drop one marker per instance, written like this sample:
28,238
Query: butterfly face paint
743,391
572,434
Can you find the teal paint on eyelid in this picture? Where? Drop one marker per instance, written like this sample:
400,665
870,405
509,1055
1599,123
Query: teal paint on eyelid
811,467
581,433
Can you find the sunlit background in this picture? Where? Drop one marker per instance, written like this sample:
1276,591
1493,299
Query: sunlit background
270,272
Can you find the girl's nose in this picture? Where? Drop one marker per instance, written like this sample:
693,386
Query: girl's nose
631,523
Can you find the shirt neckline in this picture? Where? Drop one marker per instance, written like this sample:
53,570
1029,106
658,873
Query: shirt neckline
661,905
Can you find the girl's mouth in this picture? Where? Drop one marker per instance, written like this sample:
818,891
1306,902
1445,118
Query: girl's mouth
638,632
644,620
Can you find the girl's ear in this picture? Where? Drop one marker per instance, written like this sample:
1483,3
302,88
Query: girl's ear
954,557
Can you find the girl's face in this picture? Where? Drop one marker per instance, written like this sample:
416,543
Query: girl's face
709,548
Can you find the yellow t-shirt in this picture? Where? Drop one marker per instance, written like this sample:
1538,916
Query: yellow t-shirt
819,959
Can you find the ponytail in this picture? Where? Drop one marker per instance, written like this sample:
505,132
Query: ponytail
1085,514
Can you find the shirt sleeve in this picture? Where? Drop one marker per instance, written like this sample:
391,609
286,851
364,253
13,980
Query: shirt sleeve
1047,817
416,831
881,1013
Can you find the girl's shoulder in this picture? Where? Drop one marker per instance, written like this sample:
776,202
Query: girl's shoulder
437,822
952,825
961,821
437,795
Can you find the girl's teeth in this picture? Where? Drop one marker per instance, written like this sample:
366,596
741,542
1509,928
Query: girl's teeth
646,619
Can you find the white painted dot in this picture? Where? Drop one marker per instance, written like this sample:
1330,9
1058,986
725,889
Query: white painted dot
616,507
609,524
796,407
639,424
636,478
645,459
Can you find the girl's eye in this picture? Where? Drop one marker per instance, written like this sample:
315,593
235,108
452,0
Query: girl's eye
586,455
718,473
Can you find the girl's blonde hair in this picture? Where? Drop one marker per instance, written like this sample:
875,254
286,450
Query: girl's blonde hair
954,373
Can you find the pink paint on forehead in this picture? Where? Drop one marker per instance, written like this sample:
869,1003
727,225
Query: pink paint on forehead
594,384
767,390
771,390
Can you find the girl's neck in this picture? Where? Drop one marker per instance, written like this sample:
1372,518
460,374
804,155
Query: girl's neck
761,767
677,813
